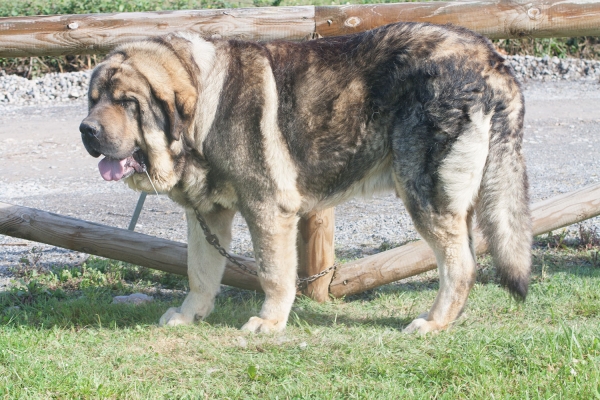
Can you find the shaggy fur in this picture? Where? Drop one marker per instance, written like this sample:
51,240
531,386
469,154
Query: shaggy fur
274,130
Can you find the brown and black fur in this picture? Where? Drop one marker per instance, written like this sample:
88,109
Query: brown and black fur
279,129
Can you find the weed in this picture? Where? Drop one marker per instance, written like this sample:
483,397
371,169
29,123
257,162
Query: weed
588,237
577,47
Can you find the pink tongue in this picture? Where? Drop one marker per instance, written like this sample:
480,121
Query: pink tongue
113,170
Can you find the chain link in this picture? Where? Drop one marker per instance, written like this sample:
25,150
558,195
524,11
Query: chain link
300,282
213,240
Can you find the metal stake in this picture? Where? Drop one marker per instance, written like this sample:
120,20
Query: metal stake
138,210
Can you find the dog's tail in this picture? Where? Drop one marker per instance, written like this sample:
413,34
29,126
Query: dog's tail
503,208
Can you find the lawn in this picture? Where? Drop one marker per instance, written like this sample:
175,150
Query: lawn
60,337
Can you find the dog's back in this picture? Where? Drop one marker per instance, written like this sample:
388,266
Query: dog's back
433,112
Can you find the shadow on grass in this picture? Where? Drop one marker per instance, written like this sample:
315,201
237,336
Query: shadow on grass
44,308
50,302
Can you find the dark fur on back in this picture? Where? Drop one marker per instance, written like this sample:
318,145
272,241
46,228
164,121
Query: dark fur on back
399,86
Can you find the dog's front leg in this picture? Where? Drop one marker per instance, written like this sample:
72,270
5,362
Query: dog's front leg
274,239
205,268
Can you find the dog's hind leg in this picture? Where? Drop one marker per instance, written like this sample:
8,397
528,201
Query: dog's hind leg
450,238
439,184
205,268
274,239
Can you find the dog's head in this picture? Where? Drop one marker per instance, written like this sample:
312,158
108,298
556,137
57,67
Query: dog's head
142,102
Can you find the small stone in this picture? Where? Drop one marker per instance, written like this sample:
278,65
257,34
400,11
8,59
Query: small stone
282,340
241,342
12,309
135,298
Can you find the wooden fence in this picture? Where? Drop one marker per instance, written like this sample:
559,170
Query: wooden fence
98,33
90,34
353,277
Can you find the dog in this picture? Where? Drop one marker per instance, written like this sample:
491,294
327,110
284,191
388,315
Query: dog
275,130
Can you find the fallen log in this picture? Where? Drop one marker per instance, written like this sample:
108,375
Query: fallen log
353,277
416,257
105,241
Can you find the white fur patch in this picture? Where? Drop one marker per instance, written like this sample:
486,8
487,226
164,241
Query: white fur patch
212,77
462,170
281,167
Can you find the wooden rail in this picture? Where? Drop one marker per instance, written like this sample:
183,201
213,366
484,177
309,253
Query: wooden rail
416,258
105,241
99,33
351,278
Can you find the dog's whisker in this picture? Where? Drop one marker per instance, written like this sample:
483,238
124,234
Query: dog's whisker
152,183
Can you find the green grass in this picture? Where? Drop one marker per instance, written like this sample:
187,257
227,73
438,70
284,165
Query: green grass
60,337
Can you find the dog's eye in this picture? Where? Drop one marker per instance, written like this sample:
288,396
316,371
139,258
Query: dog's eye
127,102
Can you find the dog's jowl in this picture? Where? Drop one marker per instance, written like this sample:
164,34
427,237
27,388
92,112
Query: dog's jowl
274,130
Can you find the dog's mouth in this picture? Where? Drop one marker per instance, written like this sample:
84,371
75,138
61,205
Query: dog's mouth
113,169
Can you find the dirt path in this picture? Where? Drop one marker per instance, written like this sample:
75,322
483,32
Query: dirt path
44,165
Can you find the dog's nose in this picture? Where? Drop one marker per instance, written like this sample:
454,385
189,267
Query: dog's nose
89,129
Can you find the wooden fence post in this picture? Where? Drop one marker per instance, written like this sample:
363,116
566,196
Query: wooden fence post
316,252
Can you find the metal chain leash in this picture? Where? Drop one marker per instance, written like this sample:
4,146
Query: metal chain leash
305,281
213,240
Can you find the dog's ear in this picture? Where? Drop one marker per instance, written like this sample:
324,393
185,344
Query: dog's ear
180,101
179,107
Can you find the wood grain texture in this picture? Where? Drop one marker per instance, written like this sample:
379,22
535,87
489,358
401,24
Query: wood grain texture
105,241
316,252
416,258
494,19
99,33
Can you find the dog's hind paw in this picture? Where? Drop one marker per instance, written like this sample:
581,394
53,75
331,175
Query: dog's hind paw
173,318
259,325
422,326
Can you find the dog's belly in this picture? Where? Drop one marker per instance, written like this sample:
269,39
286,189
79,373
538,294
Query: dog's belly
377,180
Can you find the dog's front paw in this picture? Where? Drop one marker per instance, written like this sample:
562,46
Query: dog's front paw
422,326
259,325
174,317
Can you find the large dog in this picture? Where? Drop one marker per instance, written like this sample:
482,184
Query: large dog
274,130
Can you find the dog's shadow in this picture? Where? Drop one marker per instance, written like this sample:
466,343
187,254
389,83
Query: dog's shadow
43,308
234,307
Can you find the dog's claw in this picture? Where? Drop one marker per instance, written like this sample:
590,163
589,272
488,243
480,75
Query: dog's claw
173,318
422,326
259,325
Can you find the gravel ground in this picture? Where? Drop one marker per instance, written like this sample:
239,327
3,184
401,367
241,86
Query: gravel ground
64,88
44,165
